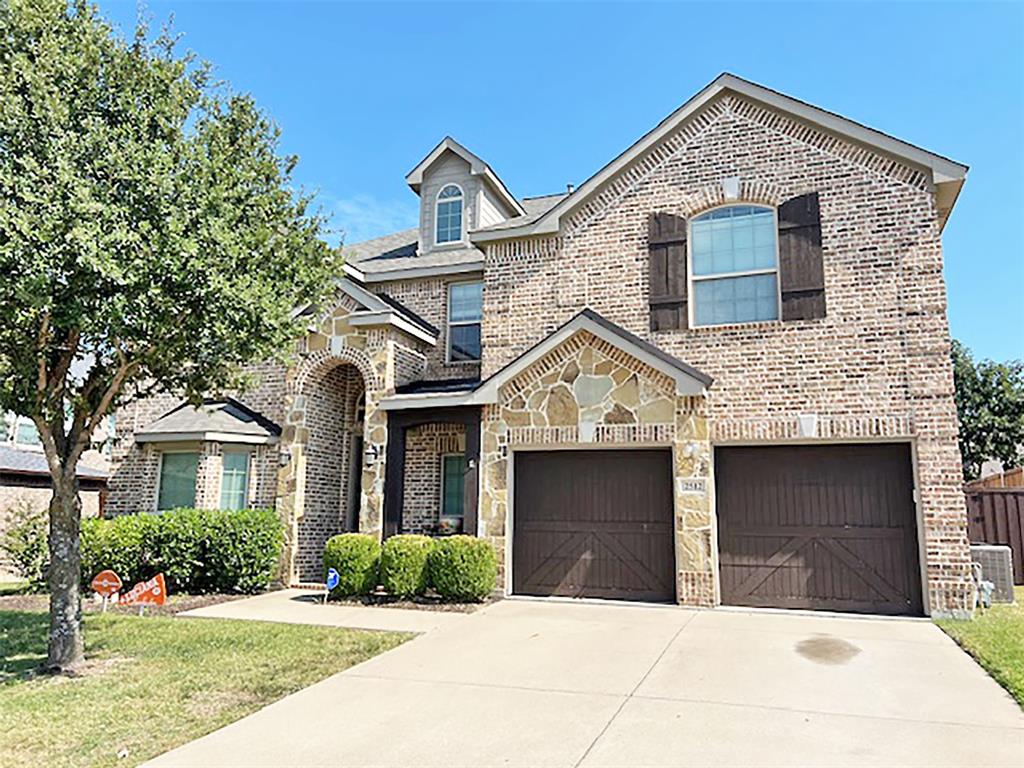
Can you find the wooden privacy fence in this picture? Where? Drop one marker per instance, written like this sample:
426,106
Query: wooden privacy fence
996,516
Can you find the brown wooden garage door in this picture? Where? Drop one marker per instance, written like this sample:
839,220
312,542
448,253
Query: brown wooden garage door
825,527
593,524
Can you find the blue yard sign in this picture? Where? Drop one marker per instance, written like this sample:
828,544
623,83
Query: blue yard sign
332,581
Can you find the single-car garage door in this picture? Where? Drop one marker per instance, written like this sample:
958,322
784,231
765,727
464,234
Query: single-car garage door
825,527
593,524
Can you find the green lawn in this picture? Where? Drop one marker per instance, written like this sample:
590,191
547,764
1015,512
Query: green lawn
996,640
152,683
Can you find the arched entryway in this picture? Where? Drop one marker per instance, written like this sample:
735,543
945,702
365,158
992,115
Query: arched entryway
334,407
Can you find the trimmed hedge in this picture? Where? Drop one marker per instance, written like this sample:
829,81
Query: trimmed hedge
463,568
356,558
197,550
403,564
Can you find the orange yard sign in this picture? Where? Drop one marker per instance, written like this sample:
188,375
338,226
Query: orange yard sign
106,583
152,592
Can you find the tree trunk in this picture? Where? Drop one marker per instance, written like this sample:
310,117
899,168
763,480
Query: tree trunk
66,648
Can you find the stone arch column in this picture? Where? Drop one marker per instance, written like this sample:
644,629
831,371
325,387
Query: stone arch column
297,489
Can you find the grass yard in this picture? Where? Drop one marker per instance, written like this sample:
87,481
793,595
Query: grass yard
155,682
996,641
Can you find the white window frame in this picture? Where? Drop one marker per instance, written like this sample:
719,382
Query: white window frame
248,474
440,506
691,278
450,324
160,475
462,216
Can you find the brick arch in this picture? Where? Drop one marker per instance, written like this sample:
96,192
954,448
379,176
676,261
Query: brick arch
751,192
325,359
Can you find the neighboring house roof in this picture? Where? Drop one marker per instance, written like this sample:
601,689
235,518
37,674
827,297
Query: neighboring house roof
947,174
477,167
689,380
17,461
225,420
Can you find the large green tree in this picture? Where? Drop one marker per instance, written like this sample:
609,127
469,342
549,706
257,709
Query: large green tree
149,241
990,404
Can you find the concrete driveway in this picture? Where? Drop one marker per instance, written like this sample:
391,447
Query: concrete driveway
525,683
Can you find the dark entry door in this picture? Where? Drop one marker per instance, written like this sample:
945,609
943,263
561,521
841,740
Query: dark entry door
826,527
594,524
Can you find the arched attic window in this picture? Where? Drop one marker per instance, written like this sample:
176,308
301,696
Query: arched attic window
448,216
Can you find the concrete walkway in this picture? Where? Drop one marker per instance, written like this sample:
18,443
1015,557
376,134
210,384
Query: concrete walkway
524,683
302,606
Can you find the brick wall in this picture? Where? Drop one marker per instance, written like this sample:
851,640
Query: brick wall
424,447
876,366
429,299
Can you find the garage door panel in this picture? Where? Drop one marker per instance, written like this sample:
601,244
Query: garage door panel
830,527
593,524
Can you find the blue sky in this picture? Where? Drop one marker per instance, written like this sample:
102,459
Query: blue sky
548,93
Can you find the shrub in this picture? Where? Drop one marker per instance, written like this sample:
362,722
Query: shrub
119,544
243,550
177,546
196,550
356,558
24,544
403,564
463,568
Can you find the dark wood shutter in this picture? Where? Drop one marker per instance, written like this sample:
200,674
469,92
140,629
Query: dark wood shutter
667,250
801,273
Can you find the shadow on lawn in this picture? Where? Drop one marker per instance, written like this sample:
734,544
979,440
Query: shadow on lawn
22,643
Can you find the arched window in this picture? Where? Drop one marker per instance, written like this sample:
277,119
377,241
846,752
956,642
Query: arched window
734,265
449,215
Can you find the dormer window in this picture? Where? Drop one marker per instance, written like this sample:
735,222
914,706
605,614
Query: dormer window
449,215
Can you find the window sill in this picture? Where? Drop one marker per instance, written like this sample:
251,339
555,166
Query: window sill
763,325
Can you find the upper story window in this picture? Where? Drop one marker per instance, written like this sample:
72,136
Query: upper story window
465,310
449,215
734,266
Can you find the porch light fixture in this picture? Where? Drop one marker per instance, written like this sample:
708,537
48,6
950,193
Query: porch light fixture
370,455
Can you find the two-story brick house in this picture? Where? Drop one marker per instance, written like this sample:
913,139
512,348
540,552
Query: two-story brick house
716,372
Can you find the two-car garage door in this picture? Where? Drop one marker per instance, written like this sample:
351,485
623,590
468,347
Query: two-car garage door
826,527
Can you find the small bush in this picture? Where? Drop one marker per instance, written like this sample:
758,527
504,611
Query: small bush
403,564
177,546
24,544
119,544
244,548
463,568
356,558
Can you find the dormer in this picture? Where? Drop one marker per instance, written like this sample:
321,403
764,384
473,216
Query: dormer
458,193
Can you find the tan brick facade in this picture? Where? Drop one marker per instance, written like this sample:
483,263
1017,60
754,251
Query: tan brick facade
876,367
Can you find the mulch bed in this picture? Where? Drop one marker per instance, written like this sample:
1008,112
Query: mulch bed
425,603
175,604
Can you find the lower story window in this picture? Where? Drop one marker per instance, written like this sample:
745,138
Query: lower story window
234,480
177,480
453,470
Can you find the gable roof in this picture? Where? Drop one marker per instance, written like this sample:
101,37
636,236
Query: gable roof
18,461
225,420
381,309
689,380
948,175
477,167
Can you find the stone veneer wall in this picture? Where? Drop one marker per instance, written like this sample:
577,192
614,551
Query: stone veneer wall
876,367
424,447
587,392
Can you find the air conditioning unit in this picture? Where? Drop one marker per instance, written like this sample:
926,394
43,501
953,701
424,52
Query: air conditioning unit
996,562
